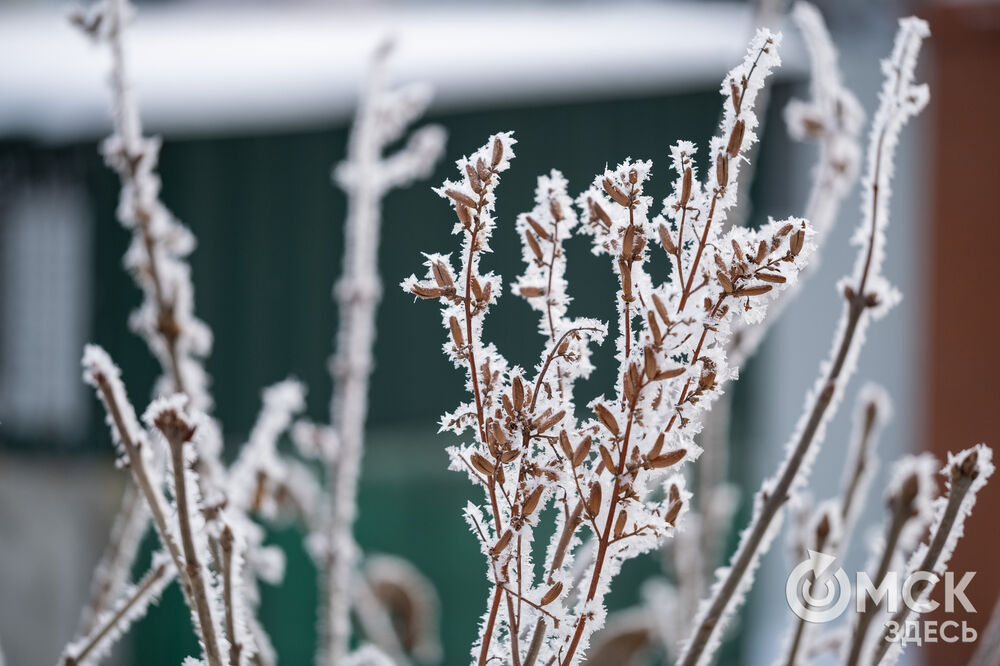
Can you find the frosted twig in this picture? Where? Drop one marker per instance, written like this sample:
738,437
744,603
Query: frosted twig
109,625
366,177
178,431
900,100
967,473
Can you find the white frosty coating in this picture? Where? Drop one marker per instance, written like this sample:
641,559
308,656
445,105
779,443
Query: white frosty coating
366,176
899,101
669,342
131,606
419,592
833,118
156,257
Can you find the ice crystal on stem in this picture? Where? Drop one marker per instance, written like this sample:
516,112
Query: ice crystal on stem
612,468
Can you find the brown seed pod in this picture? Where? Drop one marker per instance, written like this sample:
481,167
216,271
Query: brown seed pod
620,523
761,252
517,392
667,459
607,418
539,229
657,446
442,276
477,289
734,95
532,242
736,139
461,198
669,374
686,187
501,543
649,360
555,209
531,501
665,240
609,461
594,500
771,277
675,505
464,214
426,292
722,170
551,421
582,451
482,170
481,464
616,193
532,292
564,443
551,595
509,456
727,285
758,290
796,241
497,151
498,433
474,180
456,332
654,328
661,309
738,251
598,212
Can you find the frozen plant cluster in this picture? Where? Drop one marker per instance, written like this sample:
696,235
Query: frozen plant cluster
612,465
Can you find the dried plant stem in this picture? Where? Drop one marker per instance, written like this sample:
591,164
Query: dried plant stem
901,515
137,466
102,628
960,484
176,438
366,176
225,543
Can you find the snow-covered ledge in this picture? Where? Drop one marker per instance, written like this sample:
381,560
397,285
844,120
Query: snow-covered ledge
221,70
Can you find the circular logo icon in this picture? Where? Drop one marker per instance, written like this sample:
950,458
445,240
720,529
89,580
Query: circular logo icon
815,592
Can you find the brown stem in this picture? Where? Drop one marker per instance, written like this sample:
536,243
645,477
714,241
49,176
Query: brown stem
101,630
235,647
177,435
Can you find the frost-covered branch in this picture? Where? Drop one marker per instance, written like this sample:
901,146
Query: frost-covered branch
109,625
167,415
611,468
160,244
967,473
868,293
366,176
